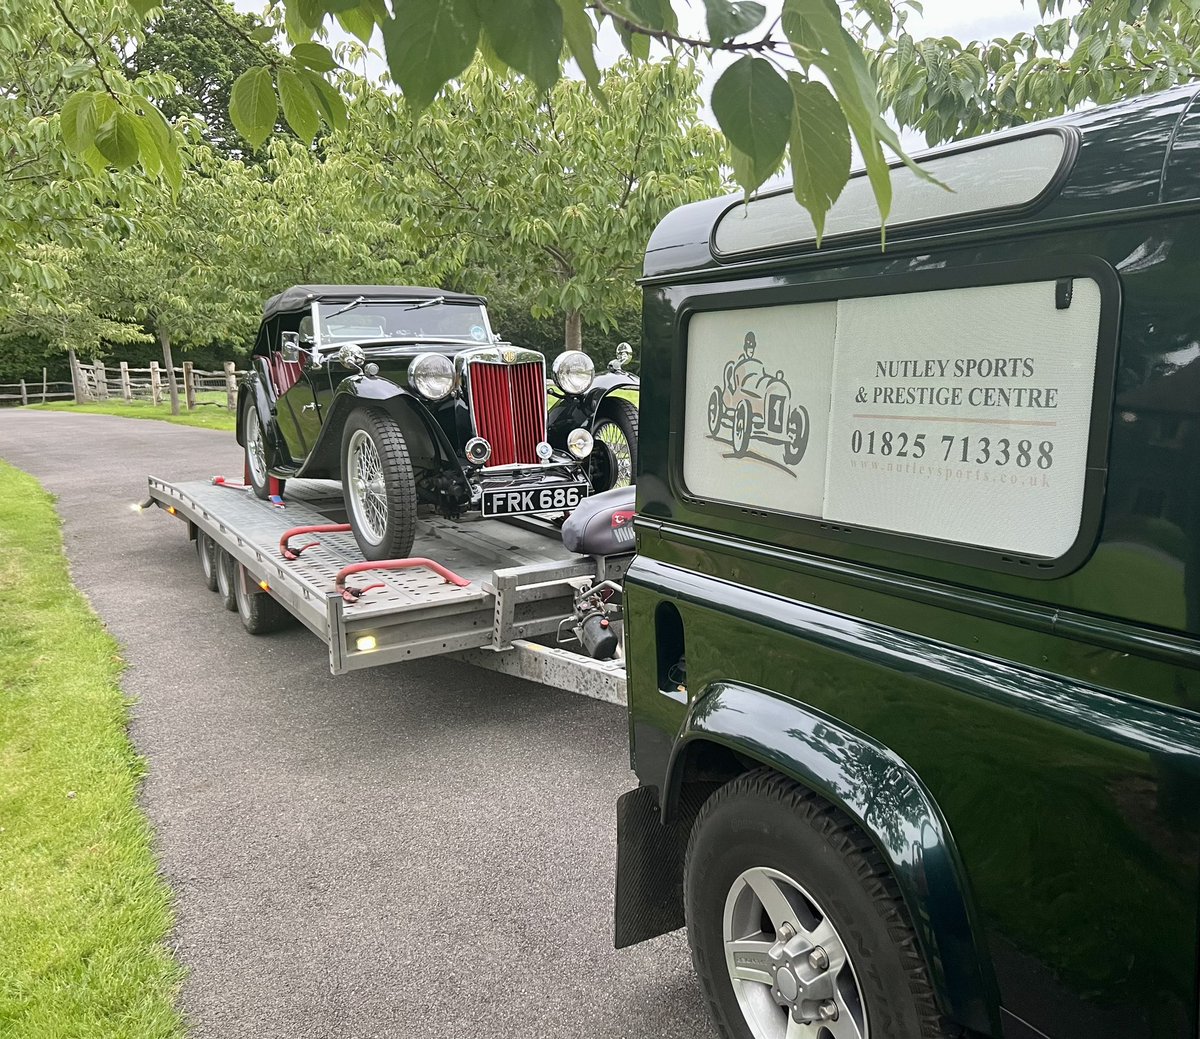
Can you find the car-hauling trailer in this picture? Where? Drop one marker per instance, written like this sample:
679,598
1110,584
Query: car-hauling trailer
498,594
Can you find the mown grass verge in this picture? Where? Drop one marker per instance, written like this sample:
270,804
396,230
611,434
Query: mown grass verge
83,913
208,415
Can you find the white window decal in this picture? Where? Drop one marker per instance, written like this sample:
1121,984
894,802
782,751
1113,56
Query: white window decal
958,415
1003,175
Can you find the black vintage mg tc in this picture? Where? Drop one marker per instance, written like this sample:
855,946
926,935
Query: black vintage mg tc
407,396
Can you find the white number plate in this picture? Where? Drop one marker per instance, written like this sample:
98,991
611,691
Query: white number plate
516,502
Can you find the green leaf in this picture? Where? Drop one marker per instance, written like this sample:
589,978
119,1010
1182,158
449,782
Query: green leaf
527,35
297,29
77,122
820,149
262,33
252,105
427,43
753,107
315,55
117,139
147,147
143,7
299,105
330,102
358,21
580,34
749,174
728,19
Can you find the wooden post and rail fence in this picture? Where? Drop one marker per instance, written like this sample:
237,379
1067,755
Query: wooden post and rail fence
117,381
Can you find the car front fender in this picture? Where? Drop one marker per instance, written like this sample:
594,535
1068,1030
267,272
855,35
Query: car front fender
574,411
886,799
254,387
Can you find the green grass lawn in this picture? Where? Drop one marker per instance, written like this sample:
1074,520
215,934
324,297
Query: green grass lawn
83,913
210,412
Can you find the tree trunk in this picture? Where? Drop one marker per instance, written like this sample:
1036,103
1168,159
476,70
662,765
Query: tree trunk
165,340
76,379
574,330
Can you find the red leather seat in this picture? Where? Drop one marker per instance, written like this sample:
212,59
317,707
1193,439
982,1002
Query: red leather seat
284,374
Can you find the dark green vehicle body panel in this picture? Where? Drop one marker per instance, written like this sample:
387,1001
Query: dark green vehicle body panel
1022,743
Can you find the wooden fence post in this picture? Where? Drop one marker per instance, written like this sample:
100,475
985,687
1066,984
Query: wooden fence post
24,395
44,370
189,386
230,386
155,384
76,377
126,391
101,378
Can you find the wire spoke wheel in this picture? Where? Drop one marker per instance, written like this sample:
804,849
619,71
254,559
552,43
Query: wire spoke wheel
368,493
616,427
256,449
787,963
611,434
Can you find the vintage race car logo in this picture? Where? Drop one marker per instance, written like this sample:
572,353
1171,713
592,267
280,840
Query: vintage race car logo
754,406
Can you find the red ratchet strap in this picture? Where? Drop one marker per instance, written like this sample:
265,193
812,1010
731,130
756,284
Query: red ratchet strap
291,554
354,594
221,481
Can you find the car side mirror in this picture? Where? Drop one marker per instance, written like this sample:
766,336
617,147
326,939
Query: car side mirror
289,347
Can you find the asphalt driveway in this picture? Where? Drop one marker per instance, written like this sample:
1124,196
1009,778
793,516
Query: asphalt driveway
422,850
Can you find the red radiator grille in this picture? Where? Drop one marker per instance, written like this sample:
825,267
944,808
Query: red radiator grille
508,407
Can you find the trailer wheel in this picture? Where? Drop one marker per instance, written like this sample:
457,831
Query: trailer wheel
225,578
796,925
206,552
260,614
378,485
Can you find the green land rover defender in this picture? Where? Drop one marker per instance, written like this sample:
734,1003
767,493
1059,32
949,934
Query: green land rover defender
914,624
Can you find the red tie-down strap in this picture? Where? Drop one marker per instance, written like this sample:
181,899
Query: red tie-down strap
417,562
290,553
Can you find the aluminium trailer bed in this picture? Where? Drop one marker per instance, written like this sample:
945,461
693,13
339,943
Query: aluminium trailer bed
521,578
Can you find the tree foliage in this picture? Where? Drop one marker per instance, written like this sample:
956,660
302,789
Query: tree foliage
1108,50
549,195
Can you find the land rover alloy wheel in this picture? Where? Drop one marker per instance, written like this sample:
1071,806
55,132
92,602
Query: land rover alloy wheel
378,485
796,926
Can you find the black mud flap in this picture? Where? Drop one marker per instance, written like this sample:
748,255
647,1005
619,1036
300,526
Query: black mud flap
649,896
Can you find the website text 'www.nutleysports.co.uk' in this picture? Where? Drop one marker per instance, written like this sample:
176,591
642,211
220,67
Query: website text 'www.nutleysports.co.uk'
952,473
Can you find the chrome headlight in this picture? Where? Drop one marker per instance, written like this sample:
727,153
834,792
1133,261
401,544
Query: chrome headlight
573,371
579,443
432,376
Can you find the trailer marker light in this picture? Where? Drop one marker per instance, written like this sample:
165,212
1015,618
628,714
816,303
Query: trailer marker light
365,643
171,509
136,507
264,586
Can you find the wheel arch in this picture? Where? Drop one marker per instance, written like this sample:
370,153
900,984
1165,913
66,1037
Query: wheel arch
425,439
731,729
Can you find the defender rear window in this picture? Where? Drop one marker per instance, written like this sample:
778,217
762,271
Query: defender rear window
960,414
999,176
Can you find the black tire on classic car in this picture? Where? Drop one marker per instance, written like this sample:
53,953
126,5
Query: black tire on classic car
792,913
617,427
256,451
797,430
378,485
743,422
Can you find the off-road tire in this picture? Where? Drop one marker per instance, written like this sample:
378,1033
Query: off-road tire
260,614
206,552
226,578
623,414
763,819
400,485
743,422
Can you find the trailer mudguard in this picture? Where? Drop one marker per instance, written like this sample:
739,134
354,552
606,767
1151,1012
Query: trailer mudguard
836,761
